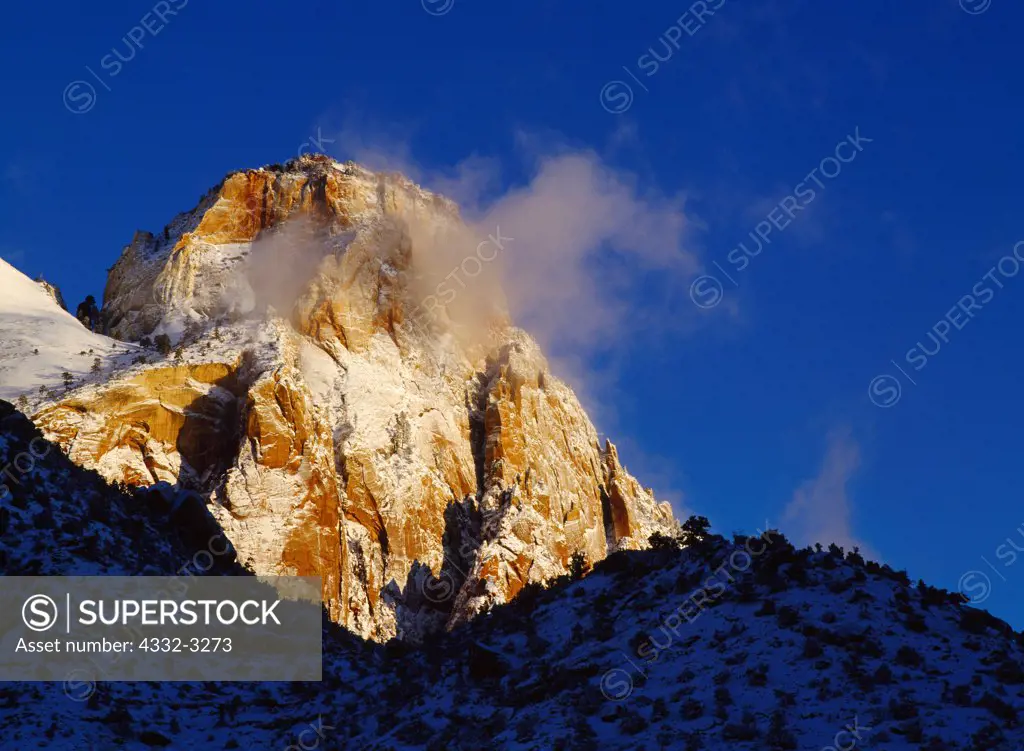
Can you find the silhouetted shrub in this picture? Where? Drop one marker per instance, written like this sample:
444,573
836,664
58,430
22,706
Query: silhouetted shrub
812,648
692,710
788,616
633,723
529,596
758,675
902,708
977,621
999,708
913,731
915,622
744,730
908,657
988,738
1009,672
577,565
961,696
659,541
778,736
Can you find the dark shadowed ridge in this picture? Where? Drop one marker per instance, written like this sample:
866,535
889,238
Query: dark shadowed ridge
792,649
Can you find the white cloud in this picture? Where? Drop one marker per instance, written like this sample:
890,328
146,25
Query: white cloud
587,235
820,510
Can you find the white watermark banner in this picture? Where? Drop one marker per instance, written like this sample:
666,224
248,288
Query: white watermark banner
160,628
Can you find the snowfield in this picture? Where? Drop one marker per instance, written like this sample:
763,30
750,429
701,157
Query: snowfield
42,341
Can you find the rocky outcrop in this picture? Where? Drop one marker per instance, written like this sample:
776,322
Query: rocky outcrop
281,499
549,489
193,265
425,467
163,424
53,292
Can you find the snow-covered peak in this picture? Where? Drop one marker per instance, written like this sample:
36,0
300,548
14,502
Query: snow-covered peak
41,341
277,220
289,370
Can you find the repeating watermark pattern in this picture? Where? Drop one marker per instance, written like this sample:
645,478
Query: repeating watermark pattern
315,144
80,96
22,464
617,96
469,268
617,683
847,738
707,290
199,560
975,7
78,687
738,562
886,389
441,589
312,736
976,585
437,7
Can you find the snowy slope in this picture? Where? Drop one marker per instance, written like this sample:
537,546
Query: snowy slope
795,649
39,340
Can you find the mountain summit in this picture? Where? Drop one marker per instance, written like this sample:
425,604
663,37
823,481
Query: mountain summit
283,351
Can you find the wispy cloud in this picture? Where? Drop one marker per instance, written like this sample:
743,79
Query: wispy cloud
821,509
587,235
13,257
587,240
21,179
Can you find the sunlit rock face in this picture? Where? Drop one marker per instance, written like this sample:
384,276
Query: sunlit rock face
424,463
53,292
141,428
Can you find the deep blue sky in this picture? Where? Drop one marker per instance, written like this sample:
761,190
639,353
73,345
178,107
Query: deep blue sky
737,409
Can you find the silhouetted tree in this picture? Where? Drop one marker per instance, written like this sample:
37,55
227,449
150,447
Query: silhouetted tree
577,565
695,530
660,541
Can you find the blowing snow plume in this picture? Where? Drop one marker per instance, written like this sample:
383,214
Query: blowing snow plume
569,250
565,254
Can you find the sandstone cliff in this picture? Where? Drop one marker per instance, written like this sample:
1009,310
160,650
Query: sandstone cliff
424,463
